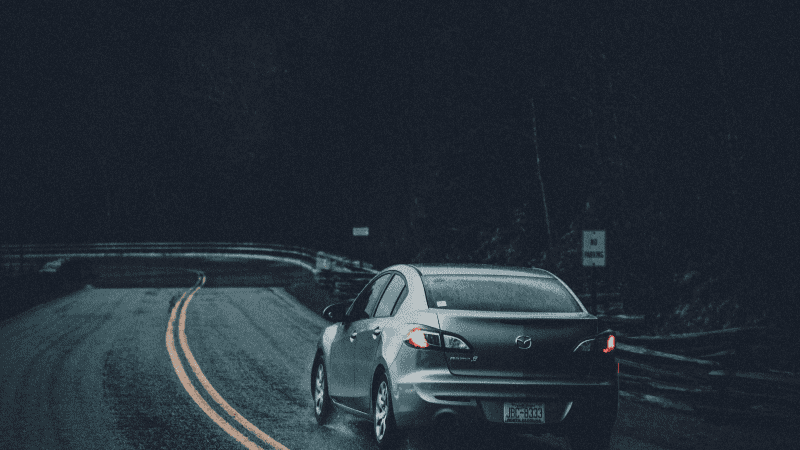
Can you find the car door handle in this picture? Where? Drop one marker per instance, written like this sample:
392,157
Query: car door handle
376,332
353,336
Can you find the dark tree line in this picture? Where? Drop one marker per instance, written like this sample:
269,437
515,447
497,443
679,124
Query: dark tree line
668,124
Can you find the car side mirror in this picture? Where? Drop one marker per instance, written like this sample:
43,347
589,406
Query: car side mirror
336,313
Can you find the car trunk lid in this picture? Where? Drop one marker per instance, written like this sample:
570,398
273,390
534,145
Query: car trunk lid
518,345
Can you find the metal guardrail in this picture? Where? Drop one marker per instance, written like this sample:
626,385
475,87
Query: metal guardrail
707,374
601,296
342,276
316,259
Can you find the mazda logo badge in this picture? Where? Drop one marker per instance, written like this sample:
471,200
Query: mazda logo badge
524,342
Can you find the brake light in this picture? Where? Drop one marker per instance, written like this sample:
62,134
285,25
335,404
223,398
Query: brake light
610,344
416,337
420,338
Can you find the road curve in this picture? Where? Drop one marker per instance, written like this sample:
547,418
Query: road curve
90,370
93,370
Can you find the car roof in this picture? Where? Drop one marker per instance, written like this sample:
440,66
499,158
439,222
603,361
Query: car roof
479,269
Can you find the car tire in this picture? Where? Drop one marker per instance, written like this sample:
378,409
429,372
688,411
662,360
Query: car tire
323,407
384,427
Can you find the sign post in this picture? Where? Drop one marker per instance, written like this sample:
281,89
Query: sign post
364,232
594,255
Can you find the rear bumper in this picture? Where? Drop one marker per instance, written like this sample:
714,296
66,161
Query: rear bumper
423,398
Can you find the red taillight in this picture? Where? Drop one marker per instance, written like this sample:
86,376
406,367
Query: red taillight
419,338
610,344
416,337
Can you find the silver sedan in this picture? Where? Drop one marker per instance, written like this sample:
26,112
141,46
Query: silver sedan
424,345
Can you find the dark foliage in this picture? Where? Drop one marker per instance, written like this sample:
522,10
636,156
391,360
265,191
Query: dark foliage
668,124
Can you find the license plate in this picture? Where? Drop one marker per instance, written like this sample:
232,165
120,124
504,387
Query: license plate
514,412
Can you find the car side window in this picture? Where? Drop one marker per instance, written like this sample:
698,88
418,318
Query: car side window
368,298
390,296
400,300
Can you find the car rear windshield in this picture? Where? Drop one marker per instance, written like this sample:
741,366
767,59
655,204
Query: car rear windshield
498,293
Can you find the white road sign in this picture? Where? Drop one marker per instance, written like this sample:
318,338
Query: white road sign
594,248
361,231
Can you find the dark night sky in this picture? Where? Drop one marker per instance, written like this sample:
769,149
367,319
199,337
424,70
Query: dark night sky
336,114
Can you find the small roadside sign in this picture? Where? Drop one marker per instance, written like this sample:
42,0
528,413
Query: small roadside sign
361,231
594,248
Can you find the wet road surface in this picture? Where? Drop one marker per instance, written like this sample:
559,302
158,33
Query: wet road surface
93,369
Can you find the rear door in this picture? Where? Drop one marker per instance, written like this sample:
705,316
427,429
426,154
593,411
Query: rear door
369,339
342,351
362,340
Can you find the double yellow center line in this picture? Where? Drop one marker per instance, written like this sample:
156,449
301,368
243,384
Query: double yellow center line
187,382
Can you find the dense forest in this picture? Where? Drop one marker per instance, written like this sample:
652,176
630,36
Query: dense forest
486,132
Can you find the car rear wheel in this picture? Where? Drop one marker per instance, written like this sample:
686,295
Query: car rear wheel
322,400
384,426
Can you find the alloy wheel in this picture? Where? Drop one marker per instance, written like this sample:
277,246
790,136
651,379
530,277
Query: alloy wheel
381,410
323,407
319,390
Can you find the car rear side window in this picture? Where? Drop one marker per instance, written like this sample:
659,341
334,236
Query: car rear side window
390,296
400,300
376,291
498,293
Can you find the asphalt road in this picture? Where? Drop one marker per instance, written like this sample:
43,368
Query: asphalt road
108,367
